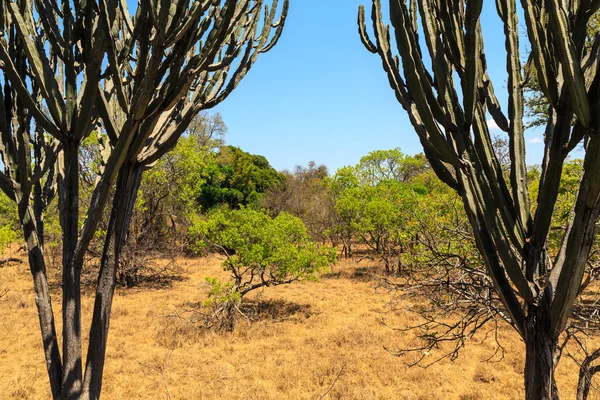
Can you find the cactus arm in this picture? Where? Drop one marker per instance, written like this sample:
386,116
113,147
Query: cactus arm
507,11
419,88
192,18
493,105
570,65
362,31
487,248
540,51
473,47
94,47
417,77
10,70
278,26
40,65
571,261
50,26
115,66
108,122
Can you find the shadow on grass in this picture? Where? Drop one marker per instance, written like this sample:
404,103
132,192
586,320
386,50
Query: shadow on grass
362,274
274,310
147,279
194,321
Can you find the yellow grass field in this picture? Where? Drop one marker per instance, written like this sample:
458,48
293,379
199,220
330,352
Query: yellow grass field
326,343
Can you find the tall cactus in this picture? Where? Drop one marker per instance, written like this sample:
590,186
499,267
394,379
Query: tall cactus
72,68
537,289
205,74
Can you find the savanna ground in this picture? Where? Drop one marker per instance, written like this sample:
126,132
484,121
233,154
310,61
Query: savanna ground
321,340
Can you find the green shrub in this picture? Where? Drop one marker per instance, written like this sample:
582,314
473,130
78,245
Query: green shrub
7,236
261,251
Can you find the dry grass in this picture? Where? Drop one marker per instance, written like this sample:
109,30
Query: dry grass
327,343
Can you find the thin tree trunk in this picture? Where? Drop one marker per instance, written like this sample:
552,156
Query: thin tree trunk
69,218
128,183
43,302
540,350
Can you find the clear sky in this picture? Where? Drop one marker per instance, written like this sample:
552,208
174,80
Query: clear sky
319,95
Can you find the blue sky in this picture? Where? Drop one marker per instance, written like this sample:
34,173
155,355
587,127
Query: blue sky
319,95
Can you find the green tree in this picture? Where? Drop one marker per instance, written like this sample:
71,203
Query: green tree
372,202
343,188
261,251
382,165
171,187
386,222
236,178
381,217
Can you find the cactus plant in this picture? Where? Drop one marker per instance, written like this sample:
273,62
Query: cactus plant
448,102
73,68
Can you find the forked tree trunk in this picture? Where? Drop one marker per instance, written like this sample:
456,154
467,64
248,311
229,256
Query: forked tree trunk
540,351
68,185
128,183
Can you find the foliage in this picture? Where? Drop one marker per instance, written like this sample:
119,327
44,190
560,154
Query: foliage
386,165
8,235
236,178
381,217
261,251
304,193
168,191
8,222
375,200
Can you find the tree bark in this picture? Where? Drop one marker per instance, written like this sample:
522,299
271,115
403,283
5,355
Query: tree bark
69,219
540,351
42,300
128,183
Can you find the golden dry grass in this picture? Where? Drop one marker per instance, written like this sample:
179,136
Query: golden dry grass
331,348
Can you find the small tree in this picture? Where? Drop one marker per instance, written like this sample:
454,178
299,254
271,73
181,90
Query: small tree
381,217
261,251
536,287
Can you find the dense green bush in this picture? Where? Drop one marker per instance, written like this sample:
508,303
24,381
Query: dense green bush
236,178
261,251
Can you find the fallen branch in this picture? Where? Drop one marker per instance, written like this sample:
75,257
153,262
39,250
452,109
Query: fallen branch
334,382
9,260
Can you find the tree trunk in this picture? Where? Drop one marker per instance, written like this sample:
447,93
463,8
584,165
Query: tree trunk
128,183
71,307
540,351
42,300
